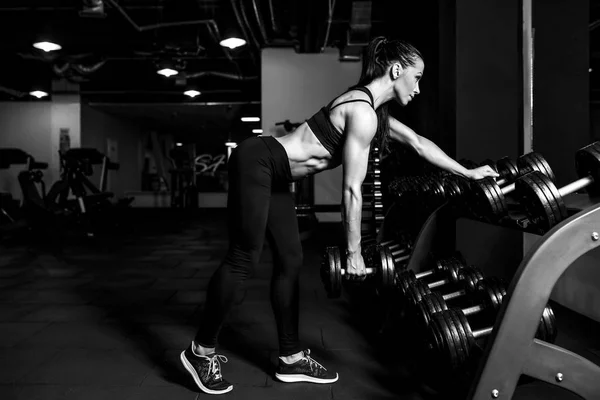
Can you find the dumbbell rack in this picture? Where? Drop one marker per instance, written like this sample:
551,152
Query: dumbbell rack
512,350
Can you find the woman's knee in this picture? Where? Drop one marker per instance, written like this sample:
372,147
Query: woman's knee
291,261
241,261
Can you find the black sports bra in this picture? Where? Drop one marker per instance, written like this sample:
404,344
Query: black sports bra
329,136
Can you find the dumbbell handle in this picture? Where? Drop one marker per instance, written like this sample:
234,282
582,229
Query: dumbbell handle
575,186
368,271
482,332
507,189
452,295
486,331
469,310
502,181
473,310
401,258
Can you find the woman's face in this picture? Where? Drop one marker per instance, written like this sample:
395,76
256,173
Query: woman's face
406,84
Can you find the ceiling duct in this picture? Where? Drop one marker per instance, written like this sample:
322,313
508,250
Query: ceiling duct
92,9
310,19
359,31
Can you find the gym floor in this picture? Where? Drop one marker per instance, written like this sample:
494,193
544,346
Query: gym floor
108,321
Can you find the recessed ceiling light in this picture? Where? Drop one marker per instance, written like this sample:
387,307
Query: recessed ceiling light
250,119
257,131
47,46
38,93
167,72
192,93
232,43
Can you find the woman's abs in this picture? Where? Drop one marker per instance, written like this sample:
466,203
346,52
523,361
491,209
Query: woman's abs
306,154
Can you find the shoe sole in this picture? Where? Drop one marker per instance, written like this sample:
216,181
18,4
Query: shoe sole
194,374
289,378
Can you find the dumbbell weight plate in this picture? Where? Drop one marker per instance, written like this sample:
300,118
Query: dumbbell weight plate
534,162
451,189
465,331
333,272
455,339
491,292
380,258
491,163
545,167
428,306
547,328
453,343
535,202
507,169
587,162
555,200
469,277
387,274
327,265
486,200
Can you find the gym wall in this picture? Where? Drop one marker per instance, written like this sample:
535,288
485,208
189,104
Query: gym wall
486,71
35,128
294,87
562,124
97,128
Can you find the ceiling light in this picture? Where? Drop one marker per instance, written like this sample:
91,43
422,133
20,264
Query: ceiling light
38,93
250,119
167,72
192,93
231,144
47,46
257,130
232,42
178,144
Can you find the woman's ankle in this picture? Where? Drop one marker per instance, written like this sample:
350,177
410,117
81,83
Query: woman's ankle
201,350
292,358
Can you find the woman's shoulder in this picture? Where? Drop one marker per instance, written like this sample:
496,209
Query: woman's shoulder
353,96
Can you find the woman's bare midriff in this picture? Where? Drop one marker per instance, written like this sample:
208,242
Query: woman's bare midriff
306,154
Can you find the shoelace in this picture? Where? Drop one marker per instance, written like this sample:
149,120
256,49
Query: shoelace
215,366
312,361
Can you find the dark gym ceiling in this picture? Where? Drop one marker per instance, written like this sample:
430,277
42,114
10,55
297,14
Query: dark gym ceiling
111,51
112,48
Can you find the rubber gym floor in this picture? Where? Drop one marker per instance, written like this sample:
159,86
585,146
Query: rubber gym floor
108,319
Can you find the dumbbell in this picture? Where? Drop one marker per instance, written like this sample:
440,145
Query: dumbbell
452,340
447,265
466,278
399,254
376,257
374,185
375,196
487,195
421,189
506,168
543,201
488,295
456,190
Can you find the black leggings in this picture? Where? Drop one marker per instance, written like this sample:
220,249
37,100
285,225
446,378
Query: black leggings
258,202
